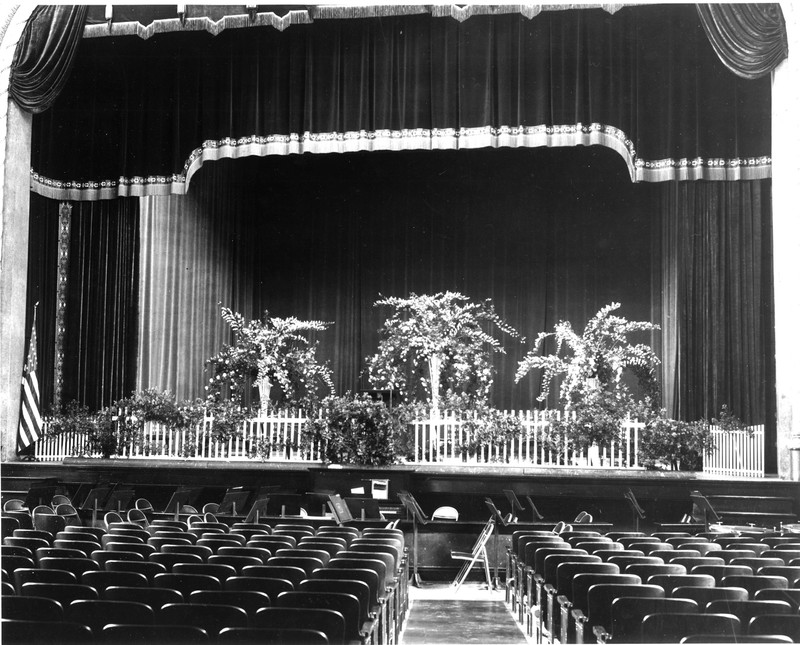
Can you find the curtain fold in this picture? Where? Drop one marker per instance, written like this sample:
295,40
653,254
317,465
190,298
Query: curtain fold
548,235
749,38
45,55
717,285
140,117
99,364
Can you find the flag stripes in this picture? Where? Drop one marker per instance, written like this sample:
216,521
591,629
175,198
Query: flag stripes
30,416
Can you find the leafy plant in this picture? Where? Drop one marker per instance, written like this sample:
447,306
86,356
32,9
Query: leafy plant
592,367
356,430
437,343
274,350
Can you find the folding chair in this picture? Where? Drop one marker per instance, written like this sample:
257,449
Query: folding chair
477,555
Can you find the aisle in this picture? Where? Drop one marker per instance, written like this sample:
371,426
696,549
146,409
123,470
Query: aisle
473,615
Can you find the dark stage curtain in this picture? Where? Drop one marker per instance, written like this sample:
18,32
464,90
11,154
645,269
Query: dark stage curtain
718,286
45,55
139,117
547,234
102,298
750,39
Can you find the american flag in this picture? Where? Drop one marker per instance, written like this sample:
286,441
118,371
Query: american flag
30,418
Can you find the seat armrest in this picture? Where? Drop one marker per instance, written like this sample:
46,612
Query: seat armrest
579,616
601,634
564,602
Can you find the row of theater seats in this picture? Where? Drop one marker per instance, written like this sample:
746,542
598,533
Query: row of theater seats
172,581
629,587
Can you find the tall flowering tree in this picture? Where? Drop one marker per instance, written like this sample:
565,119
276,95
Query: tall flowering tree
592,365
267,353
435,343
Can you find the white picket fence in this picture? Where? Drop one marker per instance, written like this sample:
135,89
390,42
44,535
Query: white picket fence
739,453
441,439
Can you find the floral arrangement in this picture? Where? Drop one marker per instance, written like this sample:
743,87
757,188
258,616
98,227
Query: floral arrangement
357,430
592,392
270,351
436,343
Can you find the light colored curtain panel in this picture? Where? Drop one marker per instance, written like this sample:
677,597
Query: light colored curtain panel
190,260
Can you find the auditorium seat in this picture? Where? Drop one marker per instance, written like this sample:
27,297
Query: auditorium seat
91,530
36,533
705,549
158,542
672,627
624,561
13,562
720,571
148,569
210,617
144,549
756,563
30,632
754,583
566,573
605,554
645,571
154,597
249,600
377,599
328,621
306,564
101,580
331,545
169,560
669,556
172,634
58,552
32,608
238,562
296,552
345,604
30,543
76,565
186,583
704,595
202,551
288,572
119,538
96,614
787,555
83,536
792,596
23,575
368,623
263,554
60,592
628,612
272,587
668,582
85,546
272,542
782,624
219,571
279,636
6,588
728,555
103,557
744,610
599,598
691,562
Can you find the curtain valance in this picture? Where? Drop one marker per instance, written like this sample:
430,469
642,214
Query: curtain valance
139,117
749,38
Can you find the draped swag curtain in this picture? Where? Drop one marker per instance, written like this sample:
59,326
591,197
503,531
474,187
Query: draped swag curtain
717,285
45,55
102,298
750,39
139,117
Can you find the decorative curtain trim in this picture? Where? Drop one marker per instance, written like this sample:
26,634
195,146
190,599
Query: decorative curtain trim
411,139
323,12
64,229
45,55
750,39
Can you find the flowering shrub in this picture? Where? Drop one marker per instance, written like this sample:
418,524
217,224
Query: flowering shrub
274,349
592,387
357,430
437,343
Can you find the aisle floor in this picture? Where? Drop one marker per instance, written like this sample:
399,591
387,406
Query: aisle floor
440,615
